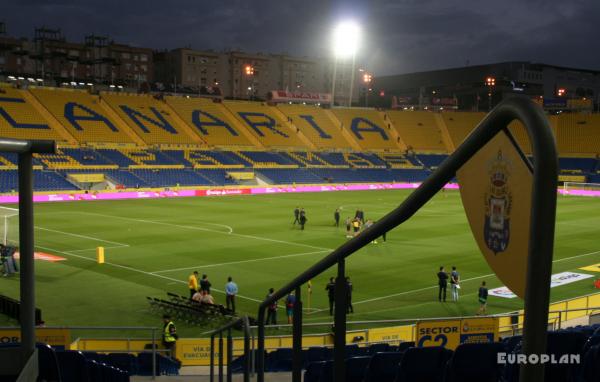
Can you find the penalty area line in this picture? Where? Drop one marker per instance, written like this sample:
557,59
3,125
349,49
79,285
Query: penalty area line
204,229
175,281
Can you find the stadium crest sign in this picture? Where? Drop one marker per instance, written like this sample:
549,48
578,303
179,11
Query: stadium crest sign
496,190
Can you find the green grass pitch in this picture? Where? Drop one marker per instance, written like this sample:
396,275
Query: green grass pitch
153,245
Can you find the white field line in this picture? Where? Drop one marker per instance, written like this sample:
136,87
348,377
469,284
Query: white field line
207,229
435,286
239,262
82,236
94,249
68,253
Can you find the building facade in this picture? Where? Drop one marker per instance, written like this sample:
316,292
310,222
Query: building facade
481,87
98,60
241,75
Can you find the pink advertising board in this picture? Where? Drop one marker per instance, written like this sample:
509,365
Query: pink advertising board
9,199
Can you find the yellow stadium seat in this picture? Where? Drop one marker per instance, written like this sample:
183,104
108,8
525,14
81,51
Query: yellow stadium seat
578,134
316,125
266,123
19,119
212,121
153,120
418,130
460,124
81,114
367,127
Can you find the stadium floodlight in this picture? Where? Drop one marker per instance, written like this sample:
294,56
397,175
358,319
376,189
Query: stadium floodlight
12,78
112,86
346,37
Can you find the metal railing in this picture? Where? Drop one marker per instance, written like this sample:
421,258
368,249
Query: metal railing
248,360
25,149
541,238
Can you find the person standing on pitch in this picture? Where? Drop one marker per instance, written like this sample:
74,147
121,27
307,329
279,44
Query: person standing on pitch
303,219
336,216
443,283
454,283
290,301
205,284
482,296
231,289
330,288
349,287
296,215
271,310
193,283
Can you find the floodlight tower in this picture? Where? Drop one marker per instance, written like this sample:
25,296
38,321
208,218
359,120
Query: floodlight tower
346,37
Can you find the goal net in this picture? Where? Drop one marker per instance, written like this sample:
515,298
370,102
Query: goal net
9,220
574,188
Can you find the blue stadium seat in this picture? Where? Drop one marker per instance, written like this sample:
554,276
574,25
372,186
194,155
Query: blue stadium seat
315,354
73,366
423,364
405,345
475,363
313,371
591,365
279,360
356,367
49,370
124,361
383,367
379,348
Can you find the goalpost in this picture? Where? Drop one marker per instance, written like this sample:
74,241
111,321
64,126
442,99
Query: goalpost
568,187
10,225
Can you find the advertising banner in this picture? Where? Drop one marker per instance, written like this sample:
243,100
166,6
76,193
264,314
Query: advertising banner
558,279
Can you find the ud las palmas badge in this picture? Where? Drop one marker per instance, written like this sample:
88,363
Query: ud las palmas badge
498,201
496,188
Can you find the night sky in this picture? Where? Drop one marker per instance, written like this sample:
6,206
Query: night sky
398,35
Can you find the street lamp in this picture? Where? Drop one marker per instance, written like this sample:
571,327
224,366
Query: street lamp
346,36
490,82
367,78
249,70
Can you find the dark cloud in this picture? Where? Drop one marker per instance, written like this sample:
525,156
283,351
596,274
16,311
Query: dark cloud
399,35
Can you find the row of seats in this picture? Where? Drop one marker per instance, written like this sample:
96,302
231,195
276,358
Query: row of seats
110,158
469,362
76,366
68,115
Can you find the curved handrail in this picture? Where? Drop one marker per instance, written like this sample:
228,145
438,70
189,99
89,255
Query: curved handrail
541,238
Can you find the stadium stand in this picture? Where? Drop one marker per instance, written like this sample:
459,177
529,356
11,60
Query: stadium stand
153,120
469,362
82,115
418,130
266,123
316,125
212,121
136,140
19,119
368,128
578,134
460,124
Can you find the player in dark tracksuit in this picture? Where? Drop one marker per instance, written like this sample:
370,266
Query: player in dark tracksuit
296,215
302,219
443,283
336,216
330,288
